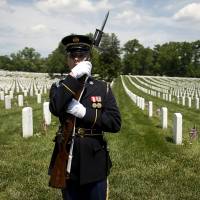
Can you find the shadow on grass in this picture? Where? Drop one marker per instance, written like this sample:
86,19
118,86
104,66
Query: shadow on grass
158,126
169,139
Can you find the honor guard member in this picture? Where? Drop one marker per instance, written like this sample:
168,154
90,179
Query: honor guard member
96,113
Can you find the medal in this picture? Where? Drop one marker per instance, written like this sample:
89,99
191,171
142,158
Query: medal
96,101
93,99
94,105
98,98
99,105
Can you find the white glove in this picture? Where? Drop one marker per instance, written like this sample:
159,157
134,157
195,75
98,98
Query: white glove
82,68
77,109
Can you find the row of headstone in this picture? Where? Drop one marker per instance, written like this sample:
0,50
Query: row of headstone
177,125
7,100
139,101
27,119
165,96
175,87
27,86
172,83
164,85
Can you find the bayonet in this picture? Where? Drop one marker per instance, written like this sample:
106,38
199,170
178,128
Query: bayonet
98,33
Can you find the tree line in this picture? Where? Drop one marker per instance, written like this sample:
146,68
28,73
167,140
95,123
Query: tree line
110,60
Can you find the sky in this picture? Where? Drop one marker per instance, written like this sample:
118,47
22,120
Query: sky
41,24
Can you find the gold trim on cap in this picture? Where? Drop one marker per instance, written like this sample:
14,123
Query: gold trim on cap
71,44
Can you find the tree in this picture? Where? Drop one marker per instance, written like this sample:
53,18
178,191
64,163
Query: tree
109,58
56,61
145,56
194,67
174,58
5,63
26,60
131,60
95,61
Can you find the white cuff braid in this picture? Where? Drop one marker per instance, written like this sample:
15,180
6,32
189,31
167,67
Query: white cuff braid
76,108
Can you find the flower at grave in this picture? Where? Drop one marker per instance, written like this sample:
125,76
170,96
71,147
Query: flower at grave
193,134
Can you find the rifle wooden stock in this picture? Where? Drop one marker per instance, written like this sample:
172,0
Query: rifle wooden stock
59,175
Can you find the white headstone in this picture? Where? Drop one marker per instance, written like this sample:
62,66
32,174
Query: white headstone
11,94
20,100
197,103
36,92
189,102
7,102
142,103
150,108
178,100
25,93
46,113
177,129
39,99
2,95
17,89
138,101
170,97
164,117
27,122
41,91
183,100
6,90
45,88
31,92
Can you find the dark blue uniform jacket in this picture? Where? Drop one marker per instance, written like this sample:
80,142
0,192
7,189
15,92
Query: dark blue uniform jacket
89,155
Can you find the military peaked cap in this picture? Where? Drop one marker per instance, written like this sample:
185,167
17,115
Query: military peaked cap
77,43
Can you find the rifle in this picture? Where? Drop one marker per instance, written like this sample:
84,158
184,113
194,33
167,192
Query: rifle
62,165
59,175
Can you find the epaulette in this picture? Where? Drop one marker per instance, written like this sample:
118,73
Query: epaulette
57,83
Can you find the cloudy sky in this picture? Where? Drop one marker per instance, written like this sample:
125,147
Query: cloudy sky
42,23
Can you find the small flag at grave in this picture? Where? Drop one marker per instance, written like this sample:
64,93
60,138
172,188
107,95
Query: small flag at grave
193,134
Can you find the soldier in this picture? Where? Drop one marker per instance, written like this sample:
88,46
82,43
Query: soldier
95,113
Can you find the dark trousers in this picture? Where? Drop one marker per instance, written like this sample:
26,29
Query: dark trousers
91,191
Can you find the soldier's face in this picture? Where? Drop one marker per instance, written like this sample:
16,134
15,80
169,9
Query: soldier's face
74,58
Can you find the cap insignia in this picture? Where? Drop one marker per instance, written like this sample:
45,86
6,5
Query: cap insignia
75,39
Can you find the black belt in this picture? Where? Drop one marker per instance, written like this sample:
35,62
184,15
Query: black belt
84,132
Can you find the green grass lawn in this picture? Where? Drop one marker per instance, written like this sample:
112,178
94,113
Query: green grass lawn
146,164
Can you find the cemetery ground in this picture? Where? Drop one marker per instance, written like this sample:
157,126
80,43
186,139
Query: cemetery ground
146,164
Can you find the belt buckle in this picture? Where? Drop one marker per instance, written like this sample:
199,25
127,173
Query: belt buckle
81,132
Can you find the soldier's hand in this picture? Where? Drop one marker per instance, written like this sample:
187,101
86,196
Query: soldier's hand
76,108
82,68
